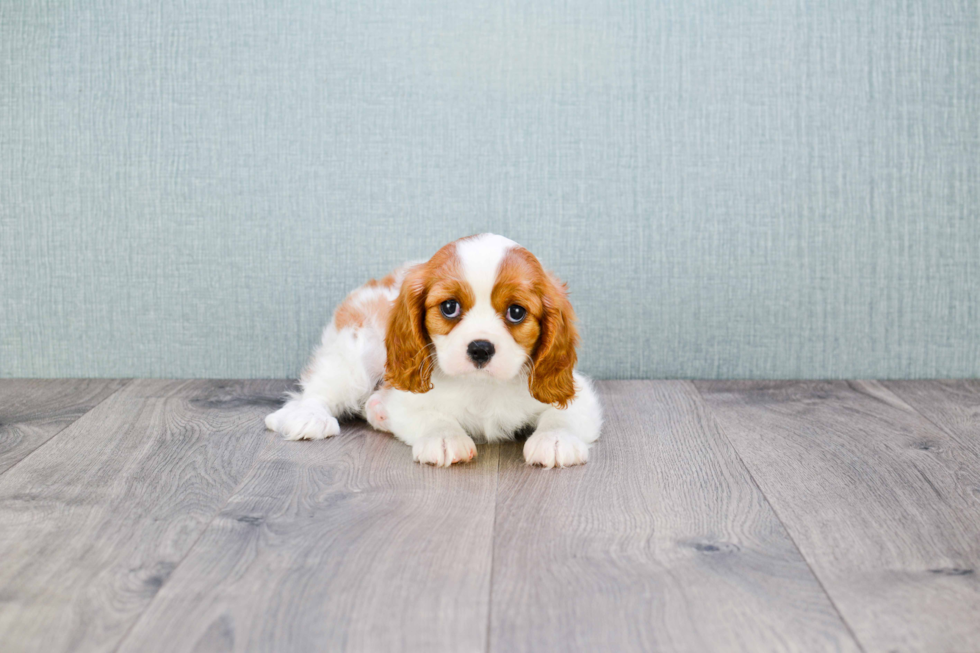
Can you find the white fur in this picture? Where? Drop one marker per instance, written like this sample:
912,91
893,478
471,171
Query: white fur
465,402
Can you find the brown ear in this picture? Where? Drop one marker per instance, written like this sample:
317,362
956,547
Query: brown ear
407,343
551,381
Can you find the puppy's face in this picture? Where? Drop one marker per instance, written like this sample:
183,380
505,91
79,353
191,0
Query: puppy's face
483,306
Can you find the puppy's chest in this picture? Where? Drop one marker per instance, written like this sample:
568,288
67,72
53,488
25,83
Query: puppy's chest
494,414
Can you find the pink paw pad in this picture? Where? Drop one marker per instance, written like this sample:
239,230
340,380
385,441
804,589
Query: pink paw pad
377,416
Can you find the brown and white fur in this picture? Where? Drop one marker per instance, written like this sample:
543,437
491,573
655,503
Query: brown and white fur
392,355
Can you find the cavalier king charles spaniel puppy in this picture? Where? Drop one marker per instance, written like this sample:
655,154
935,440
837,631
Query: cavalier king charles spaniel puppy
477,342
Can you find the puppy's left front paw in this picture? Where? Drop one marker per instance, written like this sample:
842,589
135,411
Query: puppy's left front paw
555,449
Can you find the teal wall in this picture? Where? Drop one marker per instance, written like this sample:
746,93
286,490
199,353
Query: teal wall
731,189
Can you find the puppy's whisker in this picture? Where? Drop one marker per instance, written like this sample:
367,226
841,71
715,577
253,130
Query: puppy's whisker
529,366
427,359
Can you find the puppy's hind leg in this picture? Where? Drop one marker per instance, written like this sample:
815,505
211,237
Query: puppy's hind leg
343,372
375,412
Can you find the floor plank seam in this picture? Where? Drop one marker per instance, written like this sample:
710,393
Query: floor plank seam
231,495
710,412
112,394
948,432
493,551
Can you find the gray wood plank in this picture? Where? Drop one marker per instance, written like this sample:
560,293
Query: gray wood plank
32,411
953,406
662,542
95,521
879,500
337,545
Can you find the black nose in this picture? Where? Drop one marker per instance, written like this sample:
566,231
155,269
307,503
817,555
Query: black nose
480,352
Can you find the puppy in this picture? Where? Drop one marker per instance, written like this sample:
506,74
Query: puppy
477,342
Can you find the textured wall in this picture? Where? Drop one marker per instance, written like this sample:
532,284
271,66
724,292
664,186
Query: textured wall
732,189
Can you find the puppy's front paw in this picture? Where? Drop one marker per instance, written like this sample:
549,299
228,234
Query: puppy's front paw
555,449
303,420
443,451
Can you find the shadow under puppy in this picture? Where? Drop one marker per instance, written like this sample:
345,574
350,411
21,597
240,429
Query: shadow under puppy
477,342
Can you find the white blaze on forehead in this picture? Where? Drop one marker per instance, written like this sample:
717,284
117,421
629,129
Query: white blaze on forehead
480,257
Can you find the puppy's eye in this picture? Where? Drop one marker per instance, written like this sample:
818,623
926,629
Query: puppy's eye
450,309
516,314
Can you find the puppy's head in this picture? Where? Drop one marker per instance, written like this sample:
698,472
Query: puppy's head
483,306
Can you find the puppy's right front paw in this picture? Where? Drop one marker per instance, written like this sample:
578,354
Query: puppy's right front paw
303,420
443,451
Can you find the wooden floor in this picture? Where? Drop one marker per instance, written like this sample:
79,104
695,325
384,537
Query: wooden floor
720,516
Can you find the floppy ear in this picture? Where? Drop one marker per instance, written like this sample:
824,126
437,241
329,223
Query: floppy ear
554,358
406,341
